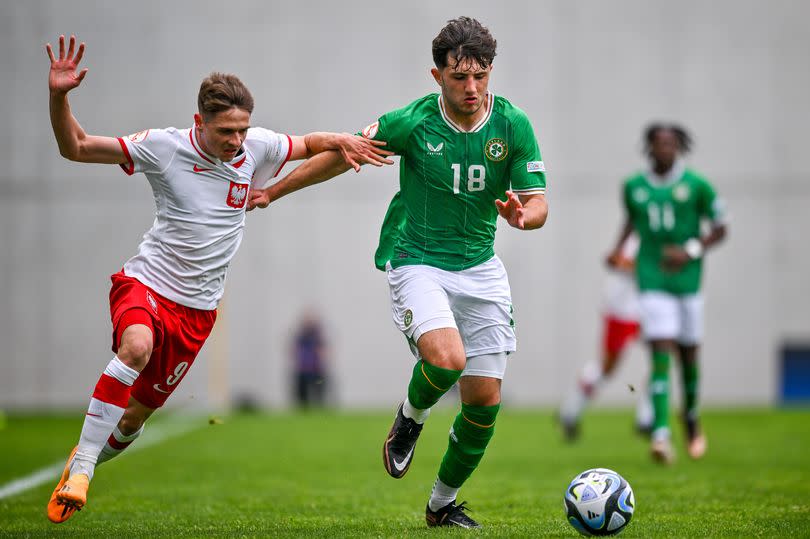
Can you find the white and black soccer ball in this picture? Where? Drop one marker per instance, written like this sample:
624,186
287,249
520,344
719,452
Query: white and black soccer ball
599,502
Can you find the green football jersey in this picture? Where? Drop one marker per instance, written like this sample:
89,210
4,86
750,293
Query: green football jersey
444,214
669,213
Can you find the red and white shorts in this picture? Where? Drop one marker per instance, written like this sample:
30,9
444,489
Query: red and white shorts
618,334
179,333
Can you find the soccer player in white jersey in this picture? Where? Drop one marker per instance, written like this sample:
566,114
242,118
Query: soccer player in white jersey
163,302
620,329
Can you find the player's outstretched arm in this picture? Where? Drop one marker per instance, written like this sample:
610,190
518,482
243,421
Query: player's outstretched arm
74,143
318,169
614,258
355,150
525,212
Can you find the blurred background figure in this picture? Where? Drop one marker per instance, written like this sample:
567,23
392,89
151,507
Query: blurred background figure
667,206
620,329
309,356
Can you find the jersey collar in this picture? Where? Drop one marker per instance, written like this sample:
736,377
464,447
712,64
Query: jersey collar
674,174
236,162
477,127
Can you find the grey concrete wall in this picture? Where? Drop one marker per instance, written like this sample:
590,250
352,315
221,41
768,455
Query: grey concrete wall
589,74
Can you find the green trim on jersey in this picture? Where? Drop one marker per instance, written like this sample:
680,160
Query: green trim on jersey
444,214
669,214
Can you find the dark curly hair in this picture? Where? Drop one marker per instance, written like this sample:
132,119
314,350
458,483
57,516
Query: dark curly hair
467,40
683,136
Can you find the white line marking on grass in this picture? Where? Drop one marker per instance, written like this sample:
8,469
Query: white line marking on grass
170,428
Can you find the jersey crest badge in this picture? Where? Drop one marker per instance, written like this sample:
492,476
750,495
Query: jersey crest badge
237,195
435,150
496,149
681,193
370,131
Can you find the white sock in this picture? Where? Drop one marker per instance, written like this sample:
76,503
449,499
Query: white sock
102,417
644,410
661,433
575,401
441,495
417,414
108,451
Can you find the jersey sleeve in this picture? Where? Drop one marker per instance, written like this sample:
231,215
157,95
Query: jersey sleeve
527,173
710,205
393,128
271,150
148,151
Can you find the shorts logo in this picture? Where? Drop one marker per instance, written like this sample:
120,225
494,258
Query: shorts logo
151,301
496,149
408,318
139,136
535,166
173,378
370,131
237,195
435,150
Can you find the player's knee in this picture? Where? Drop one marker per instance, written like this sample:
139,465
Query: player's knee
135,351
447,359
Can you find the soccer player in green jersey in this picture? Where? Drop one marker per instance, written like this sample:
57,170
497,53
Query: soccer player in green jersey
467,156
666,206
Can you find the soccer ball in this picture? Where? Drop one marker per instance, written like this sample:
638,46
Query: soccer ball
599,502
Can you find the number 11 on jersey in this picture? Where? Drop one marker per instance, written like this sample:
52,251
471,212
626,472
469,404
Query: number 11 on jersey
476,177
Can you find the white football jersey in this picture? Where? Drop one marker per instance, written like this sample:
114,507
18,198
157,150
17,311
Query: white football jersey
200,208
621,290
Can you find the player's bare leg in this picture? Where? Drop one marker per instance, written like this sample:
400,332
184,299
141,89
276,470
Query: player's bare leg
442,361
695,439
106,409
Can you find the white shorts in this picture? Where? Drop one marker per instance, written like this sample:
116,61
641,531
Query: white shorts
476,301
670,317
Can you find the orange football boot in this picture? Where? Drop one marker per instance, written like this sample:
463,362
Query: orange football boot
70,494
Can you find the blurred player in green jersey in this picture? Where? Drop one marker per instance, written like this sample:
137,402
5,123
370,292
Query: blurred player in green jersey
667,206
467,156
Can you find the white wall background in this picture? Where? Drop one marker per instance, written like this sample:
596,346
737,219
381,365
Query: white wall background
589,74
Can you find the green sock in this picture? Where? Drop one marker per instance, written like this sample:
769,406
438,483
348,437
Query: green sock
472,430
691,373
429,383
659,389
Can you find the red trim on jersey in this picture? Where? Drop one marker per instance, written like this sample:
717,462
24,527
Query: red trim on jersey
129,166
289,153
191,138
240,162
115,444
112,391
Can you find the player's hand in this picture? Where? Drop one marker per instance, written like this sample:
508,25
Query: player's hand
617,261
357,151
674,257
511,210
258,198
63,77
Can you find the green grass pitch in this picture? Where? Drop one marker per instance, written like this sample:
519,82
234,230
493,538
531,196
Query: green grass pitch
321,475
